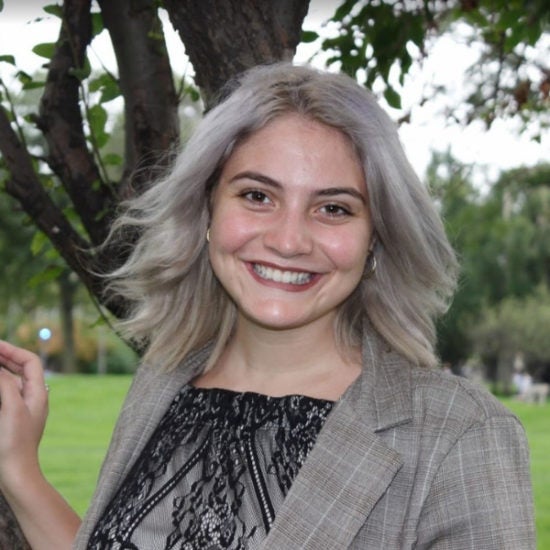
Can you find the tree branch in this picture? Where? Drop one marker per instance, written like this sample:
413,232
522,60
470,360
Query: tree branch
25,186
62,124
145,76
252,33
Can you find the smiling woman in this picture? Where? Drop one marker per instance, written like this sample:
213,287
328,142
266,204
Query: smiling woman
279,223
285,285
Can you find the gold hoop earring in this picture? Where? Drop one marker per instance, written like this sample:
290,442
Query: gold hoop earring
208,235
370,266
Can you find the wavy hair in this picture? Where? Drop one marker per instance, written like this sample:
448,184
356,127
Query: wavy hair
177,304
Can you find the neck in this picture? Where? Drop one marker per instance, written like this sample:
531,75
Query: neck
304,360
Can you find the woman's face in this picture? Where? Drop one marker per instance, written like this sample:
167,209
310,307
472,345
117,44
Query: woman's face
291,226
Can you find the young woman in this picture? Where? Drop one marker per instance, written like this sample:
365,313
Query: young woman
285,285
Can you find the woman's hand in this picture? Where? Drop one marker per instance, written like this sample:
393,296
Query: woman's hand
23,412
47,520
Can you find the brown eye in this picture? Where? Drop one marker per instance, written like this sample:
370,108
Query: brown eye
335,210
256,196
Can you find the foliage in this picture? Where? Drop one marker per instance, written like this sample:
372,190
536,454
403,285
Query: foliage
503,240
516,325
377,42
19,263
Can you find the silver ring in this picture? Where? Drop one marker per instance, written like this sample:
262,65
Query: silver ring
47,388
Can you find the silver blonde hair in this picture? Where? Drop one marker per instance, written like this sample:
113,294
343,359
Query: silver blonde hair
177,304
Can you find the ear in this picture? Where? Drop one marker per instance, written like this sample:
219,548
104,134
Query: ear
373,242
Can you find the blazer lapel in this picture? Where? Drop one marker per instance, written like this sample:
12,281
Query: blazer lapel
344,476
350,467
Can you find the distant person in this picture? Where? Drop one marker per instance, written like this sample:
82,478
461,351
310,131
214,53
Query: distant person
285,285
523,382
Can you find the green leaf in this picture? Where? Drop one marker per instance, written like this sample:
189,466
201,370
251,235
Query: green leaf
97,116
107,85
24,77
7,58
112,159
38,242
49,274
97,24
392,97
110,91
31,118
309,36
54,9
82,73
95,84
533,32
1,5
97,119
343,10
46,49
33,84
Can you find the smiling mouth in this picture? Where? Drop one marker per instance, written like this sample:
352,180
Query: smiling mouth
281,276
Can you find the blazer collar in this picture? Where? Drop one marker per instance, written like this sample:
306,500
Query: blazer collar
382,395
350,466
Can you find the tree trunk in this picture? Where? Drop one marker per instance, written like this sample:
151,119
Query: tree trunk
222,39
67,290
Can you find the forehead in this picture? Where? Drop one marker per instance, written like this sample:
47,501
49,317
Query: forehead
292,123
295,137
299,155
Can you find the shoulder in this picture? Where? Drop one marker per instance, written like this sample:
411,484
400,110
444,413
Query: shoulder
448,410
437,392
394,392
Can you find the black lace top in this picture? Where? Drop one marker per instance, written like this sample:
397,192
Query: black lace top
214,472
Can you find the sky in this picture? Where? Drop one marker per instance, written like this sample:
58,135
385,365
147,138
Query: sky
491,151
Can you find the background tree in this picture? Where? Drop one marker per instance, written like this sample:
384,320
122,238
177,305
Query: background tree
503,238
510,77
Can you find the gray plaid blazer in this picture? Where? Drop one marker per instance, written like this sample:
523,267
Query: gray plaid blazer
408,458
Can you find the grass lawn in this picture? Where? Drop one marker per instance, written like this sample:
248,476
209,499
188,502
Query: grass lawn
536,420
83,410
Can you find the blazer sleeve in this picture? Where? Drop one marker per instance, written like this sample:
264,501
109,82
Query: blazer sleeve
481,497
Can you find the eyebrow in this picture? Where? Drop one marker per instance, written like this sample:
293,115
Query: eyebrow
328,192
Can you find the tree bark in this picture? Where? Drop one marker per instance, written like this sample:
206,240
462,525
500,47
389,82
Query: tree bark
145,79
26,187
67,289
62,124
223,39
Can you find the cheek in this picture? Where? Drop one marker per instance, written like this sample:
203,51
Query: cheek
348,254
229,232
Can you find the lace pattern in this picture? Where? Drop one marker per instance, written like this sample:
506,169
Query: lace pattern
214,472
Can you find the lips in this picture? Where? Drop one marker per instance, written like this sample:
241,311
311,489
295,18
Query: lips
267,273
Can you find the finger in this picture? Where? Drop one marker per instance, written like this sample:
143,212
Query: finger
28,367
10,391
16,359
16,379
17,396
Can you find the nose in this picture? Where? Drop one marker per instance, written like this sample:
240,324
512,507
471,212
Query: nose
289,235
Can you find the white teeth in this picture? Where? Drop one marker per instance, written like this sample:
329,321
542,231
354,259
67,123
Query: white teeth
279,276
